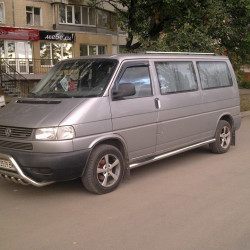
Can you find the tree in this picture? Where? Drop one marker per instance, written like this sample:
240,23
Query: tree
221,26
129,18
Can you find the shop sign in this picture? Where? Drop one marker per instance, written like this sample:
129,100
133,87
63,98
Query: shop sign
57,36
18,34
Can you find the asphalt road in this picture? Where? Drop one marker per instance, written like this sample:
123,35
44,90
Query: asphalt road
197,200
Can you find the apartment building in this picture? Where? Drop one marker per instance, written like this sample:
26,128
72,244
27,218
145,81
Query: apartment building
35,34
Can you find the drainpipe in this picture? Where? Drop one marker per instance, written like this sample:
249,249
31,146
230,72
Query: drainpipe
13,12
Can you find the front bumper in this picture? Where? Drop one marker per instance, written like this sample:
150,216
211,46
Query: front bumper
41,169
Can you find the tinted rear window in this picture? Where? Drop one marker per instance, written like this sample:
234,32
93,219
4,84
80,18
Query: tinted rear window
176,77
214,75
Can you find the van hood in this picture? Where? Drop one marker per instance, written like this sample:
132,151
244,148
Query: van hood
37,113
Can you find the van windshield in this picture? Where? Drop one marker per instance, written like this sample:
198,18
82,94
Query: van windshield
76,78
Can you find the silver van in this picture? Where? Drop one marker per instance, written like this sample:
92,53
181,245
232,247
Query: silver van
98,117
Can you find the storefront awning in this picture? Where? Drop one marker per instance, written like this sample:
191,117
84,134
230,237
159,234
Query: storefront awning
19,34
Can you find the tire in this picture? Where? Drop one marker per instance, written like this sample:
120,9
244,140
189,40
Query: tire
223,136
99,177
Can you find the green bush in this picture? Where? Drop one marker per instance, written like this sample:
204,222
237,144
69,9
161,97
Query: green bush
246,85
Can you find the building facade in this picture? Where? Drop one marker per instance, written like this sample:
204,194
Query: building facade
35,34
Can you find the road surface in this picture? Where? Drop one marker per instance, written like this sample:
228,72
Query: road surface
196,200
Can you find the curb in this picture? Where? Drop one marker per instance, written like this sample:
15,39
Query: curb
245,113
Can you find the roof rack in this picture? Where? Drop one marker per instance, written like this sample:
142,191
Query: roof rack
181,53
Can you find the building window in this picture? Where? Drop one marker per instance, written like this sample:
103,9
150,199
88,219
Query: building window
51,53
91,16
18,54
62,14
69,11
101,50
106,20
87,50
2,13
77,15
122,49
73,14
2,53
33,16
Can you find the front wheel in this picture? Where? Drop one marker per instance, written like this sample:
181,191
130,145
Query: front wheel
223,138
104,171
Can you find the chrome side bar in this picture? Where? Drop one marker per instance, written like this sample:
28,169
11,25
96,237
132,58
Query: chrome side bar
166,155
18,176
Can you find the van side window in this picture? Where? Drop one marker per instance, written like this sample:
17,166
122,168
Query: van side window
176,77
214,75
139,76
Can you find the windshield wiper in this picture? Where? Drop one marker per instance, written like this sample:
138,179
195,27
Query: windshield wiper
48,95
59,95
54,95
32,94
90,96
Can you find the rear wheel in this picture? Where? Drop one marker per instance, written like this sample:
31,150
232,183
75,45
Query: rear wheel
104,171
223,138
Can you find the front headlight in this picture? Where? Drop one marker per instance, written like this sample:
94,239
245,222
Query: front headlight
65,133
58,133
46,134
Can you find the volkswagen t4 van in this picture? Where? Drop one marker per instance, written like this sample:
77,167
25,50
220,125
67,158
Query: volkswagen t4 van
95,118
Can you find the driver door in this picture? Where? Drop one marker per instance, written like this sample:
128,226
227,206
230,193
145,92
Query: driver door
135,117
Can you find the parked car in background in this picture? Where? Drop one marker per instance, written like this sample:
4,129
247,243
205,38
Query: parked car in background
2,101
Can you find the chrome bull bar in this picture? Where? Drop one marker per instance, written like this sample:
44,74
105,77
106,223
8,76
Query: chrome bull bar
10,171
11,178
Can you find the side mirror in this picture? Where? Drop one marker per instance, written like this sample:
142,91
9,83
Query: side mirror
124,89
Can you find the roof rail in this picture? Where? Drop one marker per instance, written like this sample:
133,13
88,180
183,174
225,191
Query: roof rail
181,53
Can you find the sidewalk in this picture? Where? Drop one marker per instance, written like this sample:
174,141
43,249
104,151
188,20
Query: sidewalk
244,91
245,113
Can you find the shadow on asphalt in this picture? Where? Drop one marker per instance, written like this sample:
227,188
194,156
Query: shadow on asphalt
76,187
175,161
64,188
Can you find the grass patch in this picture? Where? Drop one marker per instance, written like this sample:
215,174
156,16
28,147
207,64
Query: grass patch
244,102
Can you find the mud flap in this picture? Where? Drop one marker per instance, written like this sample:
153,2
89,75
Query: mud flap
233,139
127,171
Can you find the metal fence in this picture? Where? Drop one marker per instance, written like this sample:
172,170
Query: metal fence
17,75
26,65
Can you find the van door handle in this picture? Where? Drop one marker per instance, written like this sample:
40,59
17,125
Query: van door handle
157,103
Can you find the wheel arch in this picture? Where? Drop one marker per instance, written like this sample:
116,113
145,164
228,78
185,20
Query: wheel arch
114,140
227,117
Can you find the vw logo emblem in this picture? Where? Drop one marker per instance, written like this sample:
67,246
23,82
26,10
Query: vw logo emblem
8,132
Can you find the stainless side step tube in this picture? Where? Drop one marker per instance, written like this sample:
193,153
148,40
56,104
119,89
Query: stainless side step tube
166,155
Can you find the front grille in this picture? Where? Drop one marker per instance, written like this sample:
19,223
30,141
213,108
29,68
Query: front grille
15,132
16,145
